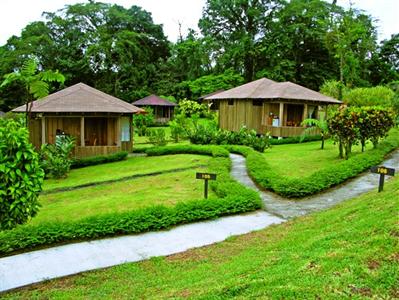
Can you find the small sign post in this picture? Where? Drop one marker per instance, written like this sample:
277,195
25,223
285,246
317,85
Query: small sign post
382,171
206,177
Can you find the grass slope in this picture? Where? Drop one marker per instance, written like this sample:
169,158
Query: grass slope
166,189
350,251
131,166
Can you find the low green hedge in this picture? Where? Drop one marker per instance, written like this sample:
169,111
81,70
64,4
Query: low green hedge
96,160
295,140
215,151
232,198
267,178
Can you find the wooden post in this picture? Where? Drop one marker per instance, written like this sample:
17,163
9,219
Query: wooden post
43,130
118,130
305,111
82,131
281,114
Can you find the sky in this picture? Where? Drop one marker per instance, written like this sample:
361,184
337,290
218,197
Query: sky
16,14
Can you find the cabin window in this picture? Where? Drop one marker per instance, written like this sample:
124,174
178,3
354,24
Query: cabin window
230,102
312,111
257,102
125,129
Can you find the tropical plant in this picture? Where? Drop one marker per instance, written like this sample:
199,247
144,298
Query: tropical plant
179,127
322,125
157,137
36,83
21,176
56,158
142,121
189,108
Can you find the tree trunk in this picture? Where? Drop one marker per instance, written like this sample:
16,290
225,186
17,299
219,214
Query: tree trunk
341,149
322,141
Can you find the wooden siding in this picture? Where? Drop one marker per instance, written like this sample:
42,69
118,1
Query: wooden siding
35,132
242,112
70,125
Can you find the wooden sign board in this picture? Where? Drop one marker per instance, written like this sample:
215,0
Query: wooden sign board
208,176
383,170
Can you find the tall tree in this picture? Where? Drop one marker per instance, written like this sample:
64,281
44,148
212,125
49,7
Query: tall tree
35,82
238,26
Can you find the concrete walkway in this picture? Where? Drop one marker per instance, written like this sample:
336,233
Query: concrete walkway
24,269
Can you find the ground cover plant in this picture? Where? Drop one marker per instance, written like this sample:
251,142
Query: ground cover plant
230,197
269,178
347,252
99,159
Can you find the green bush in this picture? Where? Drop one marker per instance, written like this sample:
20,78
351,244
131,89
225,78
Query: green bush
295,139
56,159
214,151
157,137
189,108
232,198
141,122
266,177
379,95
96,160
21,176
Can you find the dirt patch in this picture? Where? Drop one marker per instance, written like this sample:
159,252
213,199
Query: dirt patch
373,264
364,291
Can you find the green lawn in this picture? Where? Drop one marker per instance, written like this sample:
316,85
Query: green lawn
131,166
166,189
298,160
348,252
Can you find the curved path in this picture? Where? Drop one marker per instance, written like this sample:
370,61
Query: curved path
288,208
32,267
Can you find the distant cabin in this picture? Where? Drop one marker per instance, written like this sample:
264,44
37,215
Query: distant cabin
163,108
268,106
100,123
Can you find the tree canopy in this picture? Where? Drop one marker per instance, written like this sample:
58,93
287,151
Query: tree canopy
121,51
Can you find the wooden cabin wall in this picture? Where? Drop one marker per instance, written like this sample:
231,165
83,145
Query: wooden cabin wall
69,125
35,132
242,112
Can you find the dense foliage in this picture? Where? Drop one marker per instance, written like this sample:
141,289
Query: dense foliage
232,198
350,125
141,122
56,159
121,51
157,137
21,176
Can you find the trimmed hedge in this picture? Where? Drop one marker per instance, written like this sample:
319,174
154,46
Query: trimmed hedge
214,151
232,198
267,178
295,140
96,160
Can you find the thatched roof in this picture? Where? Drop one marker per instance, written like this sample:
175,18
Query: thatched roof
268,89
81,98
153,100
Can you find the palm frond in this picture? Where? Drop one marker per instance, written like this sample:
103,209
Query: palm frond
39,89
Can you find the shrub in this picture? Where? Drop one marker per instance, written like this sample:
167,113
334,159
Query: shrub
21,176
232,198
179,127
214,151
295,139
56,159
157,137
189,108
96,160
379,95
142,121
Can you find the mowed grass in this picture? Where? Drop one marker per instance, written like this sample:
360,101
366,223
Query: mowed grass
298,160
348,252
128,167
165,189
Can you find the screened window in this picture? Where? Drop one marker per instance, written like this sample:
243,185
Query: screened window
125,129
231,102
257,102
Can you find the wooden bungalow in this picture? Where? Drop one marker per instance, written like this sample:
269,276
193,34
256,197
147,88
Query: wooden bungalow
163,109
212,104
101,124
268,106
